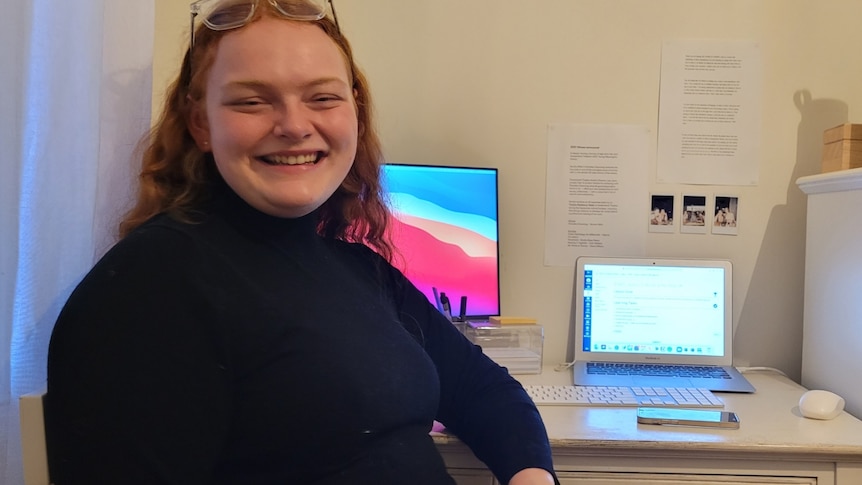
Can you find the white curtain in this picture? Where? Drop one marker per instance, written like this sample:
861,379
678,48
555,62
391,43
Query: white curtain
75,90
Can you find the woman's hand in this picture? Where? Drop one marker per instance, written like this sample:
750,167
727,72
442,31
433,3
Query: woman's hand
532,476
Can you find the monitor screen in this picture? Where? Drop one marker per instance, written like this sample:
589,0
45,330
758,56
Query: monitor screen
445,232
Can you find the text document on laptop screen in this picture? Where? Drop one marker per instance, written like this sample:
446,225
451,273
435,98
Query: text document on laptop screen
678,310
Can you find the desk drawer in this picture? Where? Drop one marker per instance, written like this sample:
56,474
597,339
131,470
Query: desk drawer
595,478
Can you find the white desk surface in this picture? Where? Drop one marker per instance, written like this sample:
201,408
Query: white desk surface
770,423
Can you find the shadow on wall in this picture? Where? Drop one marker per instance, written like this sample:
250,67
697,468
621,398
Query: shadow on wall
780,267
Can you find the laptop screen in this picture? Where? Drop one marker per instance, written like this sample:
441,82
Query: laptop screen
640,307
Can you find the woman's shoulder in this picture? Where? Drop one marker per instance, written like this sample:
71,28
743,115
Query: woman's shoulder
161,242
167,230
363,254
355,248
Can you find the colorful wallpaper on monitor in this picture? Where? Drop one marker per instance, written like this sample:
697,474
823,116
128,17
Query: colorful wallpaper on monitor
445,232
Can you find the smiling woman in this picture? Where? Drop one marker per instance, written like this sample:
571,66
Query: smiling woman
249,327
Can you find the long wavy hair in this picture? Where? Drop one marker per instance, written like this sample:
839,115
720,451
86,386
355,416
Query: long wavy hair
176,175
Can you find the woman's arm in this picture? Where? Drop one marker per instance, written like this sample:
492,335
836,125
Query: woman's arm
480,402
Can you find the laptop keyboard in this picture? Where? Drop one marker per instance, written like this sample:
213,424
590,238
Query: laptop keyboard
613,396
663,370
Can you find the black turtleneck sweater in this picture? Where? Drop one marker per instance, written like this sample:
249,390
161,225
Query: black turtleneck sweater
246,349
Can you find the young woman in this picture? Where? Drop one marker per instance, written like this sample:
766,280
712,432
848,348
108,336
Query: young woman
247,328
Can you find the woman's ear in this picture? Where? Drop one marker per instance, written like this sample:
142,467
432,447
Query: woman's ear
199,127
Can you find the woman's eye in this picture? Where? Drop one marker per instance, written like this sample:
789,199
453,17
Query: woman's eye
326,97
327,100
248,102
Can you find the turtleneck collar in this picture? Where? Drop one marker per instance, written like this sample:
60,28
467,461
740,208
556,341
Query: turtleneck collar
257,224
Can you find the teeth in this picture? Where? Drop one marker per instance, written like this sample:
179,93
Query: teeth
292,160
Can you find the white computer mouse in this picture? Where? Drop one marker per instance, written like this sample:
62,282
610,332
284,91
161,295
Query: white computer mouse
819,404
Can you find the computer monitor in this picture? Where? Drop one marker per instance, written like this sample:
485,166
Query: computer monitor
445,232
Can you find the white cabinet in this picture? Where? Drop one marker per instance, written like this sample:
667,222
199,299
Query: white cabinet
832,320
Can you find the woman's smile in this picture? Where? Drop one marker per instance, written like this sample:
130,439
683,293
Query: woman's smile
306,159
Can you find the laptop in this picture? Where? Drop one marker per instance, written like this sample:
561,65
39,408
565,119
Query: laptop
654,322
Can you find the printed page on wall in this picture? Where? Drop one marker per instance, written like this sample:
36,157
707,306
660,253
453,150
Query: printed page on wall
596,185
710,113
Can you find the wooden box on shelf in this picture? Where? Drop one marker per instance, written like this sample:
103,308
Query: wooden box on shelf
842,147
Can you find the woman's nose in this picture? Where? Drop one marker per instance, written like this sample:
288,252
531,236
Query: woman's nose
293,123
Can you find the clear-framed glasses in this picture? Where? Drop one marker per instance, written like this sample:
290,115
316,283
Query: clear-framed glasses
231,14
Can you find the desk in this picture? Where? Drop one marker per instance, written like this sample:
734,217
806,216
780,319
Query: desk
605,446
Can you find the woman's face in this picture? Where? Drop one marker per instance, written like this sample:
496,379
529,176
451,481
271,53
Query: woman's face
280,116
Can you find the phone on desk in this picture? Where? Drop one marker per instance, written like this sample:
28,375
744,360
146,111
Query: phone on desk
689,417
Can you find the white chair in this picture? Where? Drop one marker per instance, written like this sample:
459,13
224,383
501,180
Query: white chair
34,452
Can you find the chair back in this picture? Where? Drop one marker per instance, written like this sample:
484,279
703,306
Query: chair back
33,448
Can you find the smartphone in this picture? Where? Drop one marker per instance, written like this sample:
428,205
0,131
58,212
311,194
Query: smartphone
710,418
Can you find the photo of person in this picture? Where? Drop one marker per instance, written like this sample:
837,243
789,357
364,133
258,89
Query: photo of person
693,214
661,213
726,217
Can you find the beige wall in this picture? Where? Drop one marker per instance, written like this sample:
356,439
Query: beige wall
170,43
475,82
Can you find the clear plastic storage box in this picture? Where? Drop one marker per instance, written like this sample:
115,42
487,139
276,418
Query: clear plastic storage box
516,347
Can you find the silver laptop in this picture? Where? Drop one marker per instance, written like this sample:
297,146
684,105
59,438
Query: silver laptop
654,322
